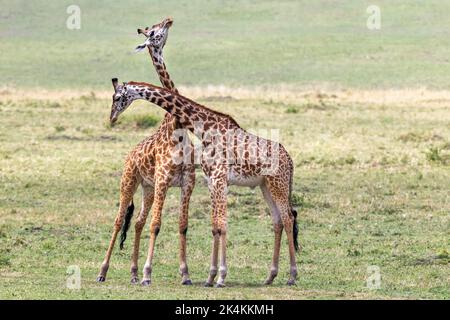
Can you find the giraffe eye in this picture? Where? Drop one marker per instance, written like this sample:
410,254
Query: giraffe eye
152,33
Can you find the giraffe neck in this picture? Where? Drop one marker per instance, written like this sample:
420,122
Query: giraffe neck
170,123
189,114
160,66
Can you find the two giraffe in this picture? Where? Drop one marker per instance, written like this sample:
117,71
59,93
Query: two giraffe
229,156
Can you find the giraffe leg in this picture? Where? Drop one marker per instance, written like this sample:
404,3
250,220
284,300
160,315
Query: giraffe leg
214,259
278,230
186,192
288,223
128,187
147,201
223,258
280,195
161,187
219,196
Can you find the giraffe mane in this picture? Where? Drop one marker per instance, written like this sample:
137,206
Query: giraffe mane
145,84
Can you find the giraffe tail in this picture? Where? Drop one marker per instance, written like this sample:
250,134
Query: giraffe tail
126,224
296,246
293,211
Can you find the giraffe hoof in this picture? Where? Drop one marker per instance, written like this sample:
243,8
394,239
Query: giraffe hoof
146,283
187,282
134,280
291,282
208,285
268,282
220,285
101,279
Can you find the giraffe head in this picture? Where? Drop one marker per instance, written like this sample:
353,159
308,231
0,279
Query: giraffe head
156,35
122,98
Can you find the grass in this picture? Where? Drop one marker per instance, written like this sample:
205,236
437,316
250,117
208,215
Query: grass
364,114
367,190
140,121
234,43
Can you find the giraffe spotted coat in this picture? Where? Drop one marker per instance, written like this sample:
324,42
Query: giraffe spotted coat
229,155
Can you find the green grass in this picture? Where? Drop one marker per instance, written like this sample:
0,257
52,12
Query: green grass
142,121
371,180
367,190
235,43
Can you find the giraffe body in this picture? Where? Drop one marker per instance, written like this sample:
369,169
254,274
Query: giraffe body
150,164
229,155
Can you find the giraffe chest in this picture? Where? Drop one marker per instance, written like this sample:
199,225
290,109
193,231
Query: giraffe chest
175,180
149,164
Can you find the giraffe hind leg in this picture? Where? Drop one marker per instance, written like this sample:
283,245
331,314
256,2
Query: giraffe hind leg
128,187
278,230
218,189
280,194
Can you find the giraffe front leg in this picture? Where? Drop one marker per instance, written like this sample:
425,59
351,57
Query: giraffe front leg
223,258
223,226
155,226
147,201
184,270
186,192
214,259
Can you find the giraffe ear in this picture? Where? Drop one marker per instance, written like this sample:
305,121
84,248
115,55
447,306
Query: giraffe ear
140,47
115,82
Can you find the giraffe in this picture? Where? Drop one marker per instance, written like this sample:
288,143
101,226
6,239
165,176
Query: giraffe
230,156
150,165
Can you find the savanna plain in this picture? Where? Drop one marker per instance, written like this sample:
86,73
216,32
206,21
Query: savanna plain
364,114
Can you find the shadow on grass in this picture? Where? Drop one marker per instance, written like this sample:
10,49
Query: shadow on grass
239,284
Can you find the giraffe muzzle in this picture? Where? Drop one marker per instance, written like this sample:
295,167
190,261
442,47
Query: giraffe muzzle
113,118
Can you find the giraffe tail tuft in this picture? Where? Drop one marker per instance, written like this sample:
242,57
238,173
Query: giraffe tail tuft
296,246
293,211
126,224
